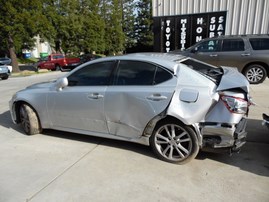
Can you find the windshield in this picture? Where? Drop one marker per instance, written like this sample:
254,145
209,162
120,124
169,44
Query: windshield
211,72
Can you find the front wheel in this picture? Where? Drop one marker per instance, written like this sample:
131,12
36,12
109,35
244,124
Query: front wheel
29,120
174,142
255,74
4,77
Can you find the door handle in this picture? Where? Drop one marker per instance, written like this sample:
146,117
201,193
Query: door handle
245,54
95,96
213,55
156,97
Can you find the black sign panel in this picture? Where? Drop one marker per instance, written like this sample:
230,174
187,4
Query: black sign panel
182,31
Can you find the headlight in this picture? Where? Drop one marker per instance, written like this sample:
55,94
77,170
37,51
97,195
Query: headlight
235,104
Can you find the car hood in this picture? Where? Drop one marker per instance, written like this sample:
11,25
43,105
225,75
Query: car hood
232,78
42,85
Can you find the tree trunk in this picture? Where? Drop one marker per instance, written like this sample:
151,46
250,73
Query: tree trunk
13,56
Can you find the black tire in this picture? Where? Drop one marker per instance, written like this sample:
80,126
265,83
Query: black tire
57,67
29,120
174,142
4,77
255,74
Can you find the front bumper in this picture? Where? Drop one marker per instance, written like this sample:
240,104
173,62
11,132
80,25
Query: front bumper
224,136
4,74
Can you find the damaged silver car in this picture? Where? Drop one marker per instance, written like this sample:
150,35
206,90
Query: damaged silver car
175,104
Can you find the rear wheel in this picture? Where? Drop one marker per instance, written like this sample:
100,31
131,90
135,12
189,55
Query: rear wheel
57,67
255,74
29,120
174,142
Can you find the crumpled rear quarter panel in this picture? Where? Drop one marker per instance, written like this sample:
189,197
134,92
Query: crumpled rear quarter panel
192,112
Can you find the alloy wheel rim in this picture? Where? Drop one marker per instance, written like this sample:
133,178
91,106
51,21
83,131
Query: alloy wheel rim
255,74
24,119
173,142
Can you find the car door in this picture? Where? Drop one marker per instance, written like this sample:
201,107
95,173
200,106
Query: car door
206,51
80,105
140,91
50,63
233,53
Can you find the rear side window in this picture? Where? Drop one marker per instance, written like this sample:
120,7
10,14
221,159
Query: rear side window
233,45
140,74
259,43
162,76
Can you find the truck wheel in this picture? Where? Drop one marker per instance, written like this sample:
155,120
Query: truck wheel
4,77
174,142
57,67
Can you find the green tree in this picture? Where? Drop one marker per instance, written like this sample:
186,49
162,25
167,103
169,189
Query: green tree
128,22
93,27
144,24
19,23
111,12
78,25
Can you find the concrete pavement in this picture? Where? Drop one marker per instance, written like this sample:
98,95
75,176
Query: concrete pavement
59,166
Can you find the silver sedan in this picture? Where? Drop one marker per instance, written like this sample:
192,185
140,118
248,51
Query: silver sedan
175,104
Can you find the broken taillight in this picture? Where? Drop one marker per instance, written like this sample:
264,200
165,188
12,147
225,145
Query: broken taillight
235,104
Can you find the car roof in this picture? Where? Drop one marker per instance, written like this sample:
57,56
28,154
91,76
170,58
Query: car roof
239,36
164,59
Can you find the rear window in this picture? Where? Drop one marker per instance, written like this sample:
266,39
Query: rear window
259,43
58,56
211,72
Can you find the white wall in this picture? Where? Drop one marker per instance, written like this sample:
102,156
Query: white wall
243,16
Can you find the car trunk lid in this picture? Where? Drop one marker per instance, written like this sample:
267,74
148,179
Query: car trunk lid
232,79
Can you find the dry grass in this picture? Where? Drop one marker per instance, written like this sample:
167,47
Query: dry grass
28,73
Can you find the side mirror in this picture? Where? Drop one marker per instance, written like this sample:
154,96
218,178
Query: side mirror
61,83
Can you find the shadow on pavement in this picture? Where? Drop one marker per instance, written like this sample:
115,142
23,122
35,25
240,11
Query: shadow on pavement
138,148
252,158
6,121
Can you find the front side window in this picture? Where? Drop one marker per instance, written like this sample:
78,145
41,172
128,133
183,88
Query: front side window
208,46
97,74
259,43
233,45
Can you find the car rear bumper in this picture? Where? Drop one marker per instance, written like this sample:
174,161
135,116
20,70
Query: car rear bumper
224,136
70,66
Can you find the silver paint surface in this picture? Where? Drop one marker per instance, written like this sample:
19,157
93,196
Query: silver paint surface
131,112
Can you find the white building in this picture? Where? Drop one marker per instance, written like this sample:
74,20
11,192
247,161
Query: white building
41,48
181,23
